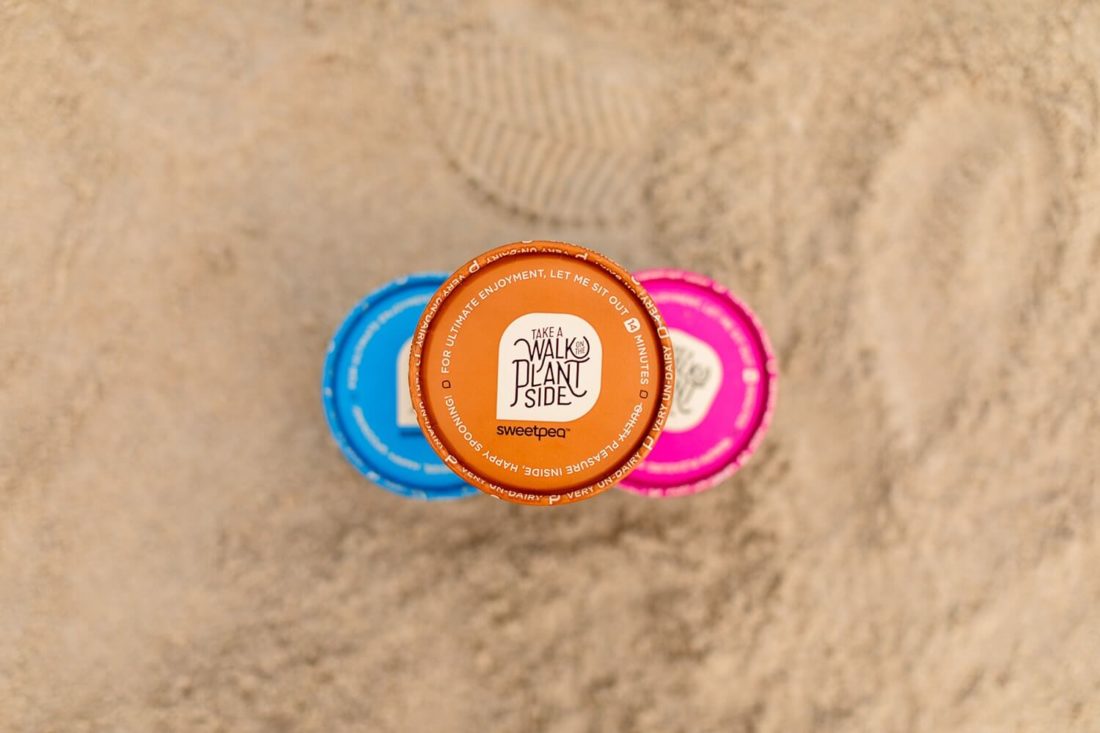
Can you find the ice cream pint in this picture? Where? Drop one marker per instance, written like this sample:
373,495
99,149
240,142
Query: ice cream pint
541,372
366,395
725,386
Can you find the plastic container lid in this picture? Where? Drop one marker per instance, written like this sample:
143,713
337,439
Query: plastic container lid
542,372
725,386
366,396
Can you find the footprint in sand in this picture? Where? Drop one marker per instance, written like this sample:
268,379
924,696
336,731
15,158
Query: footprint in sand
957,250
536,132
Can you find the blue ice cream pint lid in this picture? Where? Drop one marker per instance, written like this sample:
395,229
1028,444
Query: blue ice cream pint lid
365,391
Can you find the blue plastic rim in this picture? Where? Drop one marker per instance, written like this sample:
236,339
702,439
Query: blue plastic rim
366,394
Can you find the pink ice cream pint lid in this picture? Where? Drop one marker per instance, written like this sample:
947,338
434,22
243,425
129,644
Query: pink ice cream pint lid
724,391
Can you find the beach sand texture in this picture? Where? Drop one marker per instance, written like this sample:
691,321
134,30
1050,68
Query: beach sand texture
192,195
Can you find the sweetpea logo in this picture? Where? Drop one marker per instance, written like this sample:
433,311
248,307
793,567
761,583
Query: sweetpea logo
549,368
698,377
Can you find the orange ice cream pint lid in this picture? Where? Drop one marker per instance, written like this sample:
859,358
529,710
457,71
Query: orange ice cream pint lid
541,372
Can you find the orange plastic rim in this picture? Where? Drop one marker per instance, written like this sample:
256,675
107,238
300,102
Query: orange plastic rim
541,372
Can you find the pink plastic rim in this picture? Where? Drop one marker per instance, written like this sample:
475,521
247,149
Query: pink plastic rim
726,378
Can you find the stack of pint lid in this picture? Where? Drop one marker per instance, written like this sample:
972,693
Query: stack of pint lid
544,373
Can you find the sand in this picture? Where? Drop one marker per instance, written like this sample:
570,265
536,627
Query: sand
193,194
